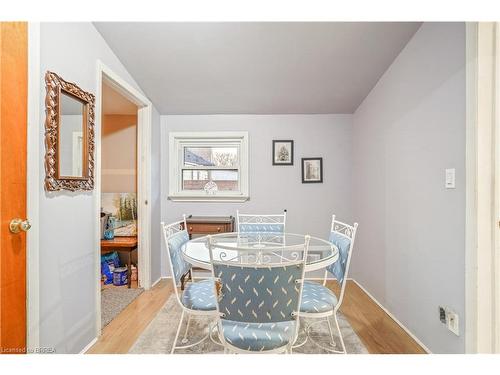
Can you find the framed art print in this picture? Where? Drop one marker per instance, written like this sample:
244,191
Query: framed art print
312,170
282,152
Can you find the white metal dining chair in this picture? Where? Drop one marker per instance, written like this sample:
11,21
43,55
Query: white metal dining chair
319,302
261,223
257,303
197,299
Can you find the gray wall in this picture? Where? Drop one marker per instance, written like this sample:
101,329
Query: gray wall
274,188
66,250
410,248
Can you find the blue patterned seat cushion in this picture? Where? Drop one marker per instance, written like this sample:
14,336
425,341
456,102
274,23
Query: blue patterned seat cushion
199,296
316,298
258,336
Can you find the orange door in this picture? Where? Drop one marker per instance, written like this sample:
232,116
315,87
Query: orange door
13,133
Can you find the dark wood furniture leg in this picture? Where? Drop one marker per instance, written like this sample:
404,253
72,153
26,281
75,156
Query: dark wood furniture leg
186,277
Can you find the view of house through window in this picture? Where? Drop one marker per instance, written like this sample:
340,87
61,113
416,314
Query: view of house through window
208,166
203,165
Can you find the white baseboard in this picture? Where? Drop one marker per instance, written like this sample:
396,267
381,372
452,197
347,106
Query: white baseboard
321,278
392,317
89,345
159,279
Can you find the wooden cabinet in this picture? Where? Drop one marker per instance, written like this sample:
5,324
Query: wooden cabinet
203,225
198,226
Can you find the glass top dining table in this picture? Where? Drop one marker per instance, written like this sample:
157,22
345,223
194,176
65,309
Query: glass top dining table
277,247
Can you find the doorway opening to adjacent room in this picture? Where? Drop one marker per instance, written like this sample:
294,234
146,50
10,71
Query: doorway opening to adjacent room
123,231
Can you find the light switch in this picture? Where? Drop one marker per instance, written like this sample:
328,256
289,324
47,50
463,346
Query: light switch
450,178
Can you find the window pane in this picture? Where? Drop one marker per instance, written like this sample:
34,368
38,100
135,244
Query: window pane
211,156
195,179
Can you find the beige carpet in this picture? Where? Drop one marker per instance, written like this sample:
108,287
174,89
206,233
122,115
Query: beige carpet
158,337
114,300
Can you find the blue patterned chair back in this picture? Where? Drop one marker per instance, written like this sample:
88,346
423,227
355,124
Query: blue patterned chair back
176,236
261,223
263,291
254,294
342,236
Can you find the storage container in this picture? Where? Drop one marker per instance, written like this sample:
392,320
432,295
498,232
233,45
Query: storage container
120,276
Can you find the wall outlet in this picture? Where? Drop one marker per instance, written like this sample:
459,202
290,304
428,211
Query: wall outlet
452,322
450,319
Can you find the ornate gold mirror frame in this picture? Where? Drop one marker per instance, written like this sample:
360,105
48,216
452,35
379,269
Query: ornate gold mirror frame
54,180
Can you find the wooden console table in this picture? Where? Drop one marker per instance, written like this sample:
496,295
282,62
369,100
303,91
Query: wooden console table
204,225
121,244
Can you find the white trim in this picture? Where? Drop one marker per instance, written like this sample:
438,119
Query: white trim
175,141
144,119
88,346
496,223
470,189
194,198
159,279
480,259
32,188
392,317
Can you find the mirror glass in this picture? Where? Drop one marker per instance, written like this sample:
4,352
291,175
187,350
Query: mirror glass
71,133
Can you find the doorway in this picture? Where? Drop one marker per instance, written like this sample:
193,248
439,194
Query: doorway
119,251
135,107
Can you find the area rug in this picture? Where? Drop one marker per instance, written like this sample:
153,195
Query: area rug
114,301
158,337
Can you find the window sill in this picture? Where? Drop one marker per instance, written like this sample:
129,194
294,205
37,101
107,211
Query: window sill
204,198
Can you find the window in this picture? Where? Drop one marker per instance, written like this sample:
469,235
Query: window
211,166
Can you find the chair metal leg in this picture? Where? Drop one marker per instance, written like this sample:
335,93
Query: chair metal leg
177,334
211,329
184,339
340,333
305,329
332,343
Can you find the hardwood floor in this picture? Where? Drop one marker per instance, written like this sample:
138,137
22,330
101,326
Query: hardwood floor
119,335
379,333
377,330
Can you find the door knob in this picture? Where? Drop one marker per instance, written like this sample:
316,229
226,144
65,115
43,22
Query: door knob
18,225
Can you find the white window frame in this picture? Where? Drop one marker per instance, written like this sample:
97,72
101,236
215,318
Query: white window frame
179,140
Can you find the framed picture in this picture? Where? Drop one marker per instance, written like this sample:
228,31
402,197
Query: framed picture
312,170
282,152
123,207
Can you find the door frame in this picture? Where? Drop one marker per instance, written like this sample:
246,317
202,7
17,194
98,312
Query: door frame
496,184
32,189
482,257
144,119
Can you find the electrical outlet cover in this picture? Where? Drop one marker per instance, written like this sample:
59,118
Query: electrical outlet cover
452,322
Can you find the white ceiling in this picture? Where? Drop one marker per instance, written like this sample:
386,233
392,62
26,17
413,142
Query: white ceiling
257,68
113,103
